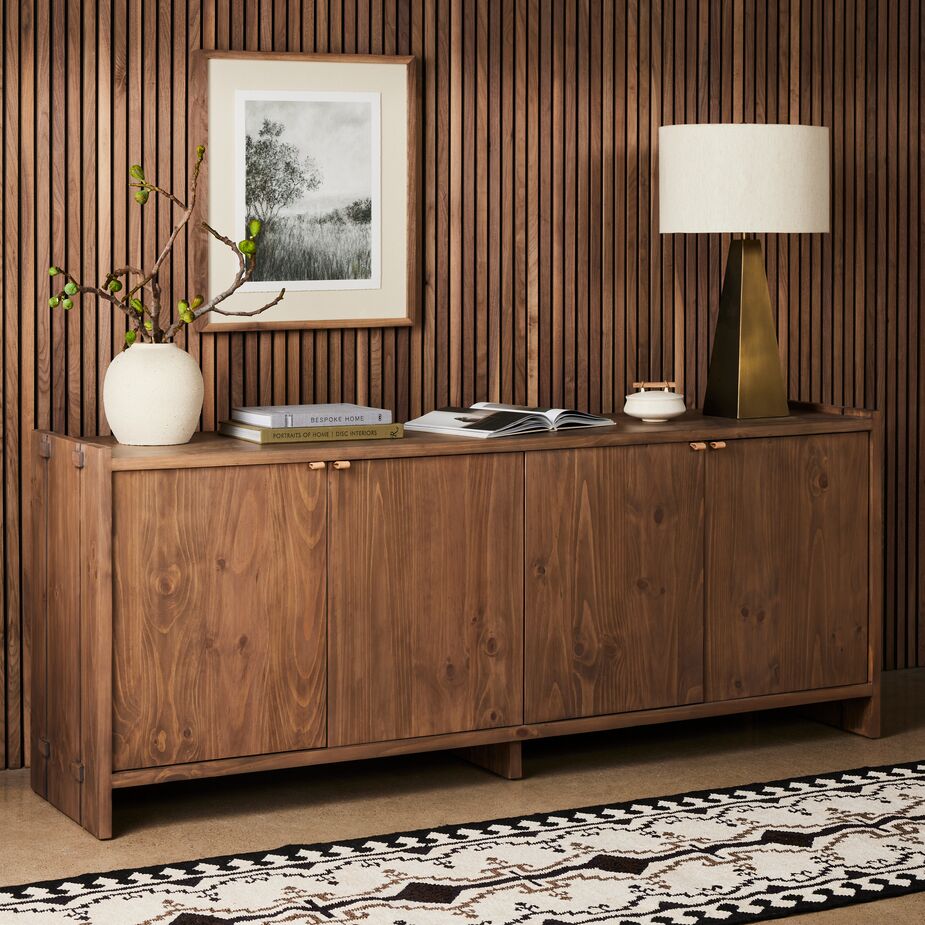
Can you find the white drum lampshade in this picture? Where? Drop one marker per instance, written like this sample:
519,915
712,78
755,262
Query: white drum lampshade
744,179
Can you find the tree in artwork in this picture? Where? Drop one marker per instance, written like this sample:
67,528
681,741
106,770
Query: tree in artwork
277,174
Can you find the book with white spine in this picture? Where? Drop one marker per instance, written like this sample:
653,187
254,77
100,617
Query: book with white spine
340,414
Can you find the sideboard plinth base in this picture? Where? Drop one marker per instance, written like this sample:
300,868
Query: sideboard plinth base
503,759
862,716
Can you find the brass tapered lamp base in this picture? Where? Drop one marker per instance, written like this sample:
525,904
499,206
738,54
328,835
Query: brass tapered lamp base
745,379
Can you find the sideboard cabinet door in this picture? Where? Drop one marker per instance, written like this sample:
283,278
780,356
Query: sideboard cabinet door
614,580
786,588
219,613
425,597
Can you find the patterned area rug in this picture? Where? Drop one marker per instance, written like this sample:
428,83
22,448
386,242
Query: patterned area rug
743,854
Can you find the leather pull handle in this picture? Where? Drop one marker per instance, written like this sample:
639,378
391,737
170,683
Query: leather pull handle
698,445
717,444
341,464
316,465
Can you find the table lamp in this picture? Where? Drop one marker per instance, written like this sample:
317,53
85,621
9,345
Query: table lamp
744,179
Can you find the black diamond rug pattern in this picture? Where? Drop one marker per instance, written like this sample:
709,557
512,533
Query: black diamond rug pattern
730,856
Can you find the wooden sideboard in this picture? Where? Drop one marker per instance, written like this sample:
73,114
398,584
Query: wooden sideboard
221,607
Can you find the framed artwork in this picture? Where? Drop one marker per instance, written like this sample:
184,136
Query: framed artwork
324,151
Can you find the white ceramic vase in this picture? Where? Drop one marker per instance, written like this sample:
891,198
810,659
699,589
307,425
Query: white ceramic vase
152,394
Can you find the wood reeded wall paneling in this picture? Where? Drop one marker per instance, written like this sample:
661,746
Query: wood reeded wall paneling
545,278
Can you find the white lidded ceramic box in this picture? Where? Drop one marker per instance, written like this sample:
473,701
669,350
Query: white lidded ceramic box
654,402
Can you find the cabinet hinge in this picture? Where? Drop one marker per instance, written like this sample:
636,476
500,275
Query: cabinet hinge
44,747
79,458
45,447
77,769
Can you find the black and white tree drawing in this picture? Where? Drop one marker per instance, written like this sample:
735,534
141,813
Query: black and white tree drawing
277,174
309,180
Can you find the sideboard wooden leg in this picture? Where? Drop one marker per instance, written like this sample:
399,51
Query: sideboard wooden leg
97,814
861,717
503,759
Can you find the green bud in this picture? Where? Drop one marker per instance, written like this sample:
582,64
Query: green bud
114,285
182,306
187,317
136,171
70,288
54,301
130,337
149,325
197,301
67,304
247,247
141,196
136,304
53,271
254,226
200,151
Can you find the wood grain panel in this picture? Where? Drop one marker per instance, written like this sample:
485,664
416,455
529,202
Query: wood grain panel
96,537
34,589
68,590
196,676
425,635
614,580
796,512
542,269
61,632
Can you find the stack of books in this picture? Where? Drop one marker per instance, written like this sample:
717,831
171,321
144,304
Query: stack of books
310,423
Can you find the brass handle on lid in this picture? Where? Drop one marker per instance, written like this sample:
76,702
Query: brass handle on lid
698,445
341,464
717,444
316,465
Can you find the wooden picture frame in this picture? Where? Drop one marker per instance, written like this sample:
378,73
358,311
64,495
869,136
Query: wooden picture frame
395,300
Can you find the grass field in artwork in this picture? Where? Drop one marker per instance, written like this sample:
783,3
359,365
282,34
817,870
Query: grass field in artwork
301,248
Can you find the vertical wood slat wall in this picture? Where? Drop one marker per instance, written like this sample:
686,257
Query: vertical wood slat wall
545,278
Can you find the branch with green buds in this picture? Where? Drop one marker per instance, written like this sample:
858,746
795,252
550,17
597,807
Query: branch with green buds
70,288
246,253
126,287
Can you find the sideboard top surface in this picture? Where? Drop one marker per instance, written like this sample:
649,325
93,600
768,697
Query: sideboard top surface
211,449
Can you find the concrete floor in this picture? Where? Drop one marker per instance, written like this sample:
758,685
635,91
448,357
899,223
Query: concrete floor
179,821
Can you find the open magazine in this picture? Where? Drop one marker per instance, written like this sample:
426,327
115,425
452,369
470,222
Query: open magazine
488,419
